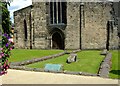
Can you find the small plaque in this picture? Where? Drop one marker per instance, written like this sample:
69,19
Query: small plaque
53,67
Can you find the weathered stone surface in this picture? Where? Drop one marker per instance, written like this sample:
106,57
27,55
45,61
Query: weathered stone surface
26,68
42,70
105,66
19,36
86,26
72,58
70,72
72,40
104,52
17,67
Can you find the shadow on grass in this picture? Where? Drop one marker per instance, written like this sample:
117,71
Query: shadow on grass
117,72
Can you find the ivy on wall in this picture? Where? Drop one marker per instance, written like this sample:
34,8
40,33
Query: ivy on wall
7,44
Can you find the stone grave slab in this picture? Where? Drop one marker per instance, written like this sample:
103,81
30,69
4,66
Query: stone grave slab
72,58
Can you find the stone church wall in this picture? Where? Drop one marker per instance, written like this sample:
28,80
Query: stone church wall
114,39
94,30
86,27
39,25
114,31
72,40
19,36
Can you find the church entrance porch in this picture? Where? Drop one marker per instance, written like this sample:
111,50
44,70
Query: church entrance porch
57,41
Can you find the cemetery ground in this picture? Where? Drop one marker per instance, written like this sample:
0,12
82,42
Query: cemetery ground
88,60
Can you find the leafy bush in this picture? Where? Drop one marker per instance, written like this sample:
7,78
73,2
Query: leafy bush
7,45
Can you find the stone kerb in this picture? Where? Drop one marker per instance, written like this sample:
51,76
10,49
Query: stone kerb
26,68
105,66
80,73
42,70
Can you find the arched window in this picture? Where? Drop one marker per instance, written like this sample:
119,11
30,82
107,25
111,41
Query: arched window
25,29
58,12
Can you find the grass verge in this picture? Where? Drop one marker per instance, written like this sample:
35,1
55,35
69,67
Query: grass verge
115,70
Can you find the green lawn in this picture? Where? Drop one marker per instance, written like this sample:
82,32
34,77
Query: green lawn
88,61
115,70
26,54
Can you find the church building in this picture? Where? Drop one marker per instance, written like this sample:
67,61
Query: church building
67,25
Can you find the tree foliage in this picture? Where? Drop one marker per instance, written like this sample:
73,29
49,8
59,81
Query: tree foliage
5,18
7,45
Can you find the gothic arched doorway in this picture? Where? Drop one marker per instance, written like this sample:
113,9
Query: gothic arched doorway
57,41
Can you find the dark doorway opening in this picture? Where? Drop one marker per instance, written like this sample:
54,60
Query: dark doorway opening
57,41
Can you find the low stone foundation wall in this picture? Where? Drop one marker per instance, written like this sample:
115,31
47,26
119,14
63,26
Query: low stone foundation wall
105,66
42,70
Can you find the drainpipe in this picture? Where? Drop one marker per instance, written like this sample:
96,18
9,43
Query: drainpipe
81,22
109,27
108,36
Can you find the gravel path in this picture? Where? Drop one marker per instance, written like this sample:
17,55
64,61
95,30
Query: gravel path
28,77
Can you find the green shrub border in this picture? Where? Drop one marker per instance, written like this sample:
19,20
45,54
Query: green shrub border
7,44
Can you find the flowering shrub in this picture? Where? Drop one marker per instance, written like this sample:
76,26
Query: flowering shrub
7,45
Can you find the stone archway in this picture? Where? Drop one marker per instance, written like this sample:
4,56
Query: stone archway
57,41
